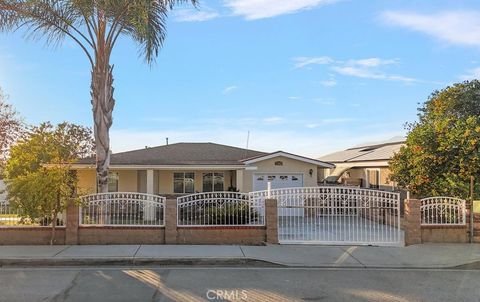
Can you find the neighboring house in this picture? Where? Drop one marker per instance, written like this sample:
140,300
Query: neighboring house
186,168
365,166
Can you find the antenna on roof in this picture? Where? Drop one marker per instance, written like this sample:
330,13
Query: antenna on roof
166,140
248,140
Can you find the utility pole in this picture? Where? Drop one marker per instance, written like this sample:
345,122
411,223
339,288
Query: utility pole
248,141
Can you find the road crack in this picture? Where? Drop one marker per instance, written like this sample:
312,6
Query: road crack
64,295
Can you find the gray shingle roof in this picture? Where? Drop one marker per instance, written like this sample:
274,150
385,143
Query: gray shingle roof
182,154
376,152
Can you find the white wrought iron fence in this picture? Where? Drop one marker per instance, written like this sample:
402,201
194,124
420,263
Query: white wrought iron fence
330,200
443,211
336,215
13,216
219,209
122,209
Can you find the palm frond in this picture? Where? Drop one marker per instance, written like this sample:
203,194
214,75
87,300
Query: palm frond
145,21
51,20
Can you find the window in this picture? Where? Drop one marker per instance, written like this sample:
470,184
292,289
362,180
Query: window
183,182
213,182
113,182
373,178
279,163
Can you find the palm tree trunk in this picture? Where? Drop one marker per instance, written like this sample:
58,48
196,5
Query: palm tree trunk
103,103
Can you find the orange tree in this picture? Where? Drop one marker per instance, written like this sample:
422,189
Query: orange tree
442,149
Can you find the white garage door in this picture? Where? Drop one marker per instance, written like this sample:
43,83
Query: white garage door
260,180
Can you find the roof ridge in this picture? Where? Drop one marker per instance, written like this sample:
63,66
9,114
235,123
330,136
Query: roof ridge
189,143
376,145
183,152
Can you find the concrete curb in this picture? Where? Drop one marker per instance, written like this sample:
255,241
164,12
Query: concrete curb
201,262
475,265
243,262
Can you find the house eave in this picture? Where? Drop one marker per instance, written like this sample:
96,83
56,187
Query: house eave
363,164
291,156
161,167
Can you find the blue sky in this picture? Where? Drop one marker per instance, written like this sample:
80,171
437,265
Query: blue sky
304,76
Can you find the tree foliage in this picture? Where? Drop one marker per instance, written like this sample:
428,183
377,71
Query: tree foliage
47,144
40,183
11,127
442,148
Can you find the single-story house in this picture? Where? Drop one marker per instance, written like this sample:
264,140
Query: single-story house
365,165
185,168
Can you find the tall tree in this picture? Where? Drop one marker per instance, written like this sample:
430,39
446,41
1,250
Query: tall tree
11,127
442,149
95,26
39,180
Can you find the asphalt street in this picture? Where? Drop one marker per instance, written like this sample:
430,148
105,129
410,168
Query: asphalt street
236,284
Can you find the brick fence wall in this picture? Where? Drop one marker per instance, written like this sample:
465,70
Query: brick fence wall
476,226
120,235
416,233
74,233
30,235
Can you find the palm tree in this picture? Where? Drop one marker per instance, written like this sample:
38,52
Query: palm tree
95,26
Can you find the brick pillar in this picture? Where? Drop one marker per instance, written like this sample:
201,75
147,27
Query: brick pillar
71,231
171,221
413,231
271,220
476,221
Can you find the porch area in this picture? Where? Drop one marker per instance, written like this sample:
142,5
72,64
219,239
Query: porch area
169,183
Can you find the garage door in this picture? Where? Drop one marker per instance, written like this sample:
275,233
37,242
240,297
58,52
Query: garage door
260,180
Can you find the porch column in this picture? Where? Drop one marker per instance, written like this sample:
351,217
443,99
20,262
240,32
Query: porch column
150,186
239,180
367,180
149,208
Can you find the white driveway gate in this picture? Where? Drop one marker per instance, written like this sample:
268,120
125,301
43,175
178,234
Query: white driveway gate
337,215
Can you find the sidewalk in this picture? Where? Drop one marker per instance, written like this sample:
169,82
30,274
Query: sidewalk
416,256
